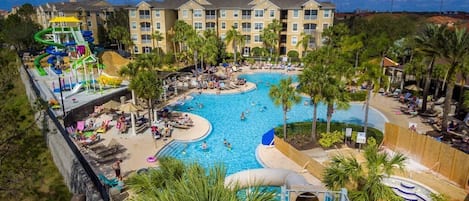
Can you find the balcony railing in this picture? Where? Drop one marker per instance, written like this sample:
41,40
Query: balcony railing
309,31
144,16
246,29
246,17
146,41
311,17
145,29
210,17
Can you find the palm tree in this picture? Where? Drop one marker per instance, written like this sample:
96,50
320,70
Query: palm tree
147,86
130,71
364,180
276,27
158,36
428,42
269,39
170,34
372,76
305,42
455,50
284,94
176,181
119,34
210,50
194,42
234,36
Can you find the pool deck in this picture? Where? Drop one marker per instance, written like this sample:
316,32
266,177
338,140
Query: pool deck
140,146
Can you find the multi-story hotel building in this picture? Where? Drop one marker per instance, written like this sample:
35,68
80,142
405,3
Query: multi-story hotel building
248,16
92,13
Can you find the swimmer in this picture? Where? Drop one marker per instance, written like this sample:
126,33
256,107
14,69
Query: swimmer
247,111
225,142
190,108
228,146
306,103
200,105
242,116
204,145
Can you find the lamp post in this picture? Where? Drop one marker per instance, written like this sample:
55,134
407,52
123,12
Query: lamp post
61,96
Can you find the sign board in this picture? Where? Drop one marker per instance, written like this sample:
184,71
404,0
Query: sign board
348,132
361,137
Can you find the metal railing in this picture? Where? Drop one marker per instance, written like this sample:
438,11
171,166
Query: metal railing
81,159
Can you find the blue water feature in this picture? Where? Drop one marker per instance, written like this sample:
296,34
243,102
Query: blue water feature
223,112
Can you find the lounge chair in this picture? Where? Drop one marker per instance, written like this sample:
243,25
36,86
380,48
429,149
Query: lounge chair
113,183
104,126
80,125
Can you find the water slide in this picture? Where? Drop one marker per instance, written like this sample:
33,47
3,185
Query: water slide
38,37
266,177
75,90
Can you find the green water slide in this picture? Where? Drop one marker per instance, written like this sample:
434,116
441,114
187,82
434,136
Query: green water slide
38,37
37,64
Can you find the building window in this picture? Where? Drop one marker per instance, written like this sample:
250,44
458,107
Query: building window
184,13
247,39
295,27
309,28
272,13
258,26
146,50
146,38
88,13
325,26
259,13
235,25
61,14
222,36
158,25
134,37
133,25
210,25
294,40
144,14
135,49
132,13
223,13
223,25
198,25
246,26
296,13
257,39
235,14
145,26
197,13
246,14
157,13
311,14
327,13
88,23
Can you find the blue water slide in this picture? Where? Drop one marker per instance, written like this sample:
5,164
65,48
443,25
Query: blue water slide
51,60
88,36
71,43
51,50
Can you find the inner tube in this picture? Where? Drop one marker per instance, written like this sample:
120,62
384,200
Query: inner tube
151,159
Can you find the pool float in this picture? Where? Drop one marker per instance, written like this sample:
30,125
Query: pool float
151,159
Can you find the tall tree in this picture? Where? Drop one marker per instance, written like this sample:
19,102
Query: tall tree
429,42
147,86
364,180
120,35
275,27
284,95
305,42
455,51
234,37
371,75
158,37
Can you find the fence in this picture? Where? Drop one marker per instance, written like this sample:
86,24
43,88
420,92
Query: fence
83,162
303,160
437,156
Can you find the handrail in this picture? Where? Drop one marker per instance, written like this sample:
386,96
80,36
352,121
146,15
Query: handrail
81,159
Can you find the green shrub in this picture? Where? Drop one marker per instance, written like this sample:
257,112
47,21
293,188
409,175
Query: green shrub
329,139
358,96
371,141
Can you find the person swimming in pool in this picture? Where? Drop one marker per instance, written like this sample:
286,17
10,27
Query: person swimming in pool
225,142
228,145
204,145
242,116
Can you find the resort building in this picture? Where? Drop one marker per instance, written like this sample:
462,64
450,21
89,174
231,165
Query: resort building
249,17
91,13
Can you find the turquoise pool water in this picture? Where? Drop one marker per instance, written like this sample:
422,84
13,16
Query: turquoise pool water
223,111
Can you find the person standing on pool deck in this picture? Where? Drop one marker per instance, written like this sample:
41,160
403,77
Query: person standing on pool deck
117,168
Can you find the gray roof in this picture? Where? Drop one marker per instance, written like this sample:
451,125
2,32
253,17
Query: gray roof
167,4
289,4
88,5
241,4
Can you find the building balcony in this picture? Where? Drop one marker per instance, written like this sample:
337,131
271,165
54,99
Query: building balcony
309,31
311,17
246,29
210,17
144,29
246,17
146,41
144,16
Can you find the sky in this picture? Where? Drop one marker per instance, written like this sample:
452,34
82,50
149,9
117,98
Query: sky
341,5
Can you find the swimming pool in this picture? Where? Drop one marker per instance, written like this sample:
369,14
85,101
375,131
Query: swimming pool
223,111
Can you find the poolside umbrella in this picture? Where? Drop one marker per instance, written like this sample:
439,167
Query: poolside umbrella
413,87
111,105
130,108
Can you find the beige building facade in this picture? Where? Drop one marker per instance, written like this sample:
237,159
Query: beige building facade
249,17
